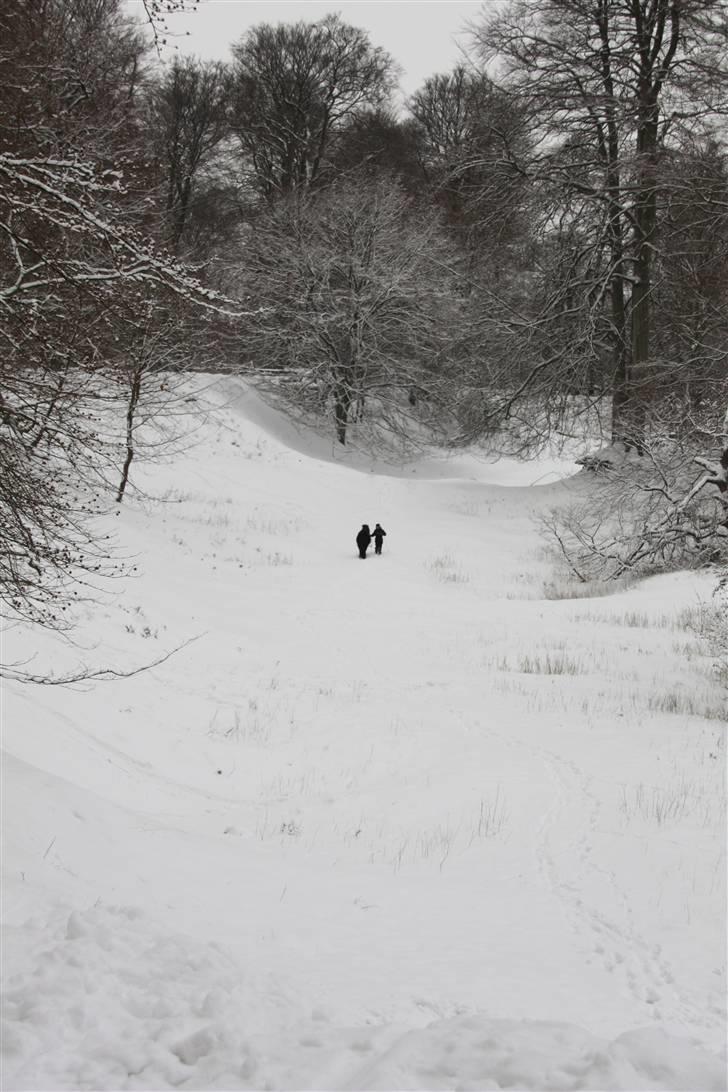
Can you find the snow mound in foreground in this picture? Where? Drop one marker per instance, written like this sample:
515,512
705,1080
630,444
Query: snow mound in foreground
113,1002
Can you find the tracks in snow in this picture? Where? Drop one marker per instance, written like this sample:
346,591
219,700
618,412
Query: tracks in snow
611,940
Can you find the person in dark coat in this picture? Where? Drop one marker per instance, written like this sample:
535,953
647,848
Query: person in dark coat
379,535
363,539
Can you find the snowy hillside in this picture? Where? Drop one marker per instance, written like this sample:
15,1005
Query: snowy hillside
415,822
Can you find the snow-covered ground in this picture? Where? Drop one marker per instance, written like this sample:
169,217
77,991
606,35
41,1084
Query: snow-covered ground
412,823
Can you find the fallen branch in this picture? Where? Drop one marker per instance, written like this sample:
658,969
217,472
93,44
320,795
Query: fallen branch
102,674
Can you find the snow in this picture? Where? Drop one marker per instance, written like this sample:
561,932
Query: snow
402,825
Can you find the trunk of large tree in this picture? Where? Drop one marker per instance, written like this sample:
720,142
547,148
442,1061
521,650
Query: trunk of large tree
342,406
620,379
609,147
181,211
620,330
645,218
655,25
348,386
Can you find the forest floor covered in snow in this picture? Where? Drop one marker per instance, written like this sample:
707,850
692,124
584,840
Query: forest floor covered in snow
427,821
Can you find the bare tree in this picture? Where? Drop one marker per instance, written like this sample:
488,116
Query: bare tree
357,302
470,138
604,88
670,511
188,119
296,85
376,142
158,348
691,274
73,266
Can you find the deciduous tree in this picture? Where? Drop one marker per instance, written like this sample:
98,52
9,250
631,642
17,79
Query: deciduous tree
606,87
357,305
296,85
73,265
188,117
470,140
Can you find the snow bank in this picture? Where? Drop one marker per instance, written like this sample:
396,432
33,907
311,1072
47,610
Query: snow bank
476,1053
243,399
110,1000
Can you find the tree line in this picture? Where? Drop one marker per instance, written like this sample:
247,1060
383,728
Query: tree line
537,243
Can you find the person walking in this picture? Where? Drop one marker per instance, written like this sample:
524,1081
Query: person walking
363,539
379,535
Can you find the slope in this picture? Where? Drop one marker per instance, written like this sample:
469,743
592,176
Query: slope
401,823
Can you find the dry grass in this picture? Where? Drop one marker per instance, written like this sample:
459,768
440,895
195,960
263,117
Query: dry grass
447,571
548,663
568,587
687,619
689,704
667,804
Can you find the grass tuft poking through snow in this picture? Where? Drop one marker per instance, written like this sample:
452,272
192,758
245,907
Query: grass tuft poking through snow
682,703
668,804
556,663
568,587
447,571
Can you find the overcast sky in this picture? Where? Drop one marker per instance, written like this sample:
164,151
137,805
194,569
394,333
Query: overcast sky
422,35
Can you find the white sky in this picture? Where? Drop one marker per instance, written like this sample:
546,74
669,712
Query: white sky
422,36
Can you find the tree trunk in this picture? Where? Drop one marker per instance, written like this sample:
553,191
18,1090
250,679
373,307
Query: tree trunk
320,148
645,217
342,407
134,395
608,143
651,25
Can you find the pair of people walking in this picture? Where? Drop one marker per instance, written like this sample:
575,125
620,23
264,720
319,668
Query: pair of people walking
365,536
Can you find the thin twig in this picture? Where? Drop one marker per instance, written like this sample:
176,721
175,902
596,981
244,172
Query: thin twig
102,674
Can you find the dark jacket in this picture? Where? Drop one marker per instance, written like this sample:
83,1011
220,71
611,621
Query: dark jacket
364,537
378,534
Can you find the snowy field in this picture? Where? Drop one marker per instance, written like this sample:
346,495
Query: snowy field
418,822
